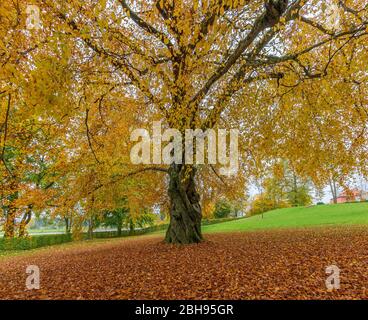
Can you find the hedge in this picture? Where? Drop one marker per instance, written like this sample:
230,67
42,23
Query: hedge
34,242
38,241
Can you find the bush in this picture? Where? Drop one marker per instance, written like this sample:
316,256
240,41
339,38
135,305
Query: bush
33,242
262,204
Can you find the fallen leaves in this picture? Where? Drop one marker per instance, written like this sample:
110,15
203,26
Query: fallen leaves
251,265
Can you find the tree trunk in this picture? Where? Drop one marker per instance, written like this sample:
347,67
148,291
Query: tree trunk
185,209
333,190
25,221
90,229
120,226
67,225
9,226
11,211
131,226
295,186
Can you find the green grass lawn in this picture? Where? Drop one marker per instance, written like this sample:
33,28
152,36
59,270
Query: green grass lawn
323,215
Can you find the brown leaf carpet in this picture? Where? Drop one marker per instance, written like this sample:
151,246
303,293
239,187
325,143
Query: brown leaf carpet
283,264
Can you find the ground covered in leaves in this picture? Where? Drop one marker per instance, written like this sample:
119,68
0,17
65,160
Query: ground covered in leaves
283,264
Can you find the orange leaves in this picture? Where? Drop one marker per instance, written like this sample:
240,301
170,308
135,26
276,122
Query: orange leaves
251,265
35,196
192,64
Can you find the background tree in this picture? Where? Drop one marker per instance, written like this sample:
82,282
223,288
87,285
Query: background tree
117,217
222,209
281,188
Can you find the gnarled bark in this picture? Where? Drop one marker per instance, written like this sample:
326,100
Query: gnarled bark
185,209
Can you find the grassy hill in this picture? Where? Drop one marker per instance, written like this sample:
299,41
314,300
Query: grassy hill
323,215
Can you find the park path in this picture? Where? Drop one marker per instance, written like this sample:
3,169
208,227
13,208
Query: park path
281,264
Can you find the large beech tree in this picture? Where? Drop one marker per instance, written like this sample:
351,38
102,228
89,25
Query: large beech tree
291,75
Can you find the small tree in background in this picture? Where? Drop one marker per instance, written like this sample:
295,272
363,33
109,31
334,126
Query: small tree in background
282,189
263,203
223,209
299,196
121,217
116,218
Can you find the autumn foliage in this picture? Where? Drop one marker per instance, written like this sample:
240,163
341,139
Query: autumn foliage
71,91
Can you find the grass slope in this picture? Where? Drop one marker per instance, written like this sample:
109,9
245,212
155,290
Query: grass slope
324,215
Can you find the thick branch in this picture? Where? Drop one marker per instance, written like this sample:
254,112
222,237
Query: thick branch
104,53
316,25
225,97
269,18
272,59
147,27
5,125
128,175
235,82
